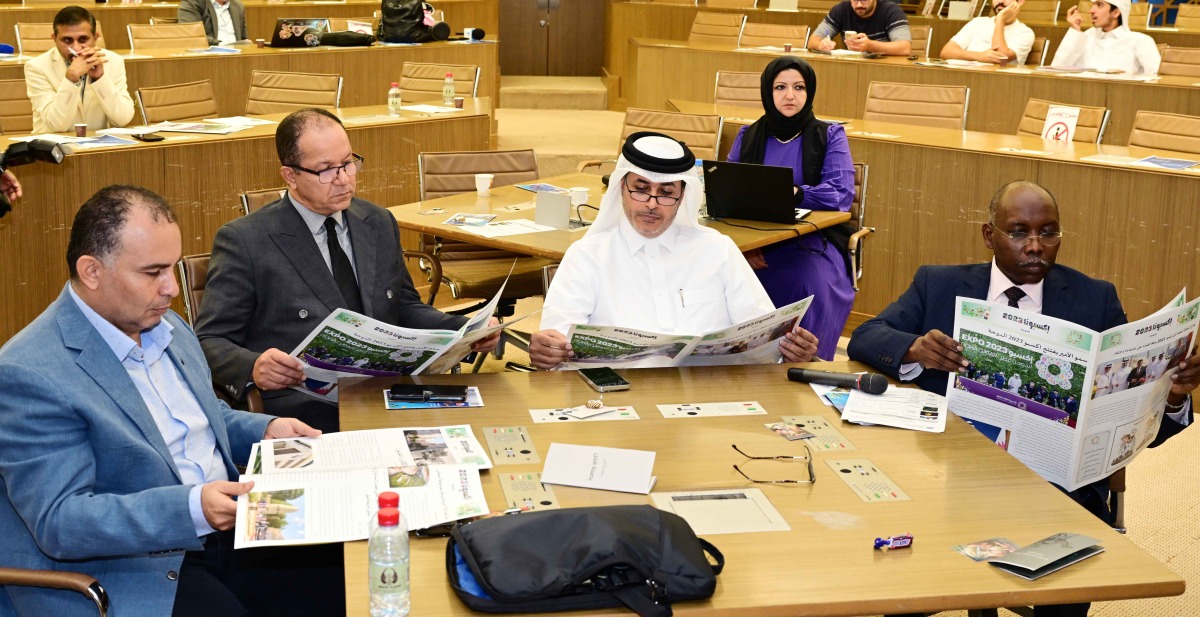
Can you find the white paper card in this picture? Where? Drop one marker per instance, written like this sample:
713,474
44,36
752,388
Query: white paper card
908,408
571,414
692,410
744,510
608,469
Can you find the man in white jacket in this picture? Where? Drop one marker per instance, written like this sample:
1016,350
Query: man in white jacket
1109,45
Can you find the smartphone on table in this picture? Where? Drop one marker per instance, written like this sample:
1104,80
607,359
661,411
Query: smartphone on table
603,379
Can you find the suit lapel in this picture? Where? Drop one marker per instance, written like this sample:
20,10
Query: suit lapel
975,281
1054,296
298,246
364,242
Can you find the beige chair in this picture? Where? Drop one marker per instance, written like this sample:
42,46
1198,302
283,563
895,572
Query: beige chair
340,24
253,200
1139,16
1184,61
816,5
1037,53
738,89
773,35
936,106
1188,17
16,112
58,579
717,29
1089,128
730,4
144,37
35,38
190,101
162,21
701,133
681,2
423,82
920,40
858,213
1039,11
273,92
193,276
1162,131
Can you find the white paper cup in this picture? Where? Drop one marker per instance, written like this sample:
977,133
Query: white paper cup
483,184
579,195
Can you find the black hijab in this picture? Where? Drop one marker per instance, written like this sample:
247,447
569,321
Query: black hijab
814,133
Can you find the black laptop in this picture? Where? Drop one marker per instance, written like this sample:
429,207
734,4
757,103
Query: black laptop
299,31
750,192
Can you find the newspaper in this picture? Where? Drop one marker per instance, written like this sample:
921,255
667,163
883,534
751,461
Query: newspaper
318,490
1074,405
755,341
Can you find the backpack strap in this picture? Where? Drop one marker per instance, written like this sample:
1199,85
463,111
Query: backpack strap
717,557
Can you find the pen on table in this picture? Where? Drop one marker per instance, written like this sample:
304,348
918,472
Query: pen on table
682,304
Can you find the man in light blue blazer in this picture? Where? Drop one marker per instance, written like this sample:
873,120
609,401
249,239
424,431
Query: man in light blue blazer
116,459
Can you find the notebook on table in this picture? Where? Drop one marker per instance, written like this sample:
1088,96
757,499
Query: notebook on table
750,192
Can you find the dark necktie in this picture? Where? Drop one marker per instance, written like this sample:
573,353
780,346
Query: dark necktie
1013,294
343,273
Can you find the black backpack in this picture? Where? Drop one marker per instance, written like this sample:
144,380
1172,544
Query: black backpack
403,21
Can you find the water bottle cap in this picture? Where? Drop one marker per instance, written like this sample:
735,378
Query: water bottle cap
389,499
449,74
395,84
389,517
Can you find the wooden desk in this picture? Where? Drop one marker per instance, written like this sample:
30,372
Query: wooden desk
626,20
928,194
998,96
553,244
201,177
260,15
963,489
366,71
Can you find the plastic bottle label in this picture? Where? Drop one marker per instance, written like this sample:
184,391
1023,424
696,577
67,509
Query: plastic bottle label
389,579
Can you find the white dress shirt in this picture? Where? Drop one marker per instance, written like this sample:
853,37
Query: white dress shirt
1121,49
977,36
225,33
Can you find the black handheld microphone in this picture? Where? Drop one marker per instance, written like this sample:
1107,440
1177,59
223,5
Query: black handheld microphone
477,34
871,383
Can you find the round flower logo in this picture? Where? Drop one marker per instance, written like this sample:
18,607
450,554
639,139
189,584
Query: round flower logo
1054,371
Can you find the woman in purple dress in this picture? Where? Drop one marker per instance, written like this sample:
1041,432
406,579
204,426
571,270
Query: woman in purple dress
789,135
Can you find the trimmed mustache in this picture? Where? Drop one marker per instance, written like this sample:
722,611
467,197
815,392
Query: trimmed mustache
1036,261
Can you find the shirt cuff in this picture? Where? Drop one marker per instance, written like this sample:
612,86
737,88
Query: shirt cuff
1182,416
910,371
197,511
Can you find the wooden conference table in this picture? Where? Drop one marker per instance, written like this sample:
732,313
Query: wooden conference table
928,192
260,15
962,489
997,101
661,20
201,176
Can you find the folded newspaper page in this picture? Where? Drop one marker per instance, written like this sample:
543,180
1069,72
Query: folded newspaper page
1074,405
755,341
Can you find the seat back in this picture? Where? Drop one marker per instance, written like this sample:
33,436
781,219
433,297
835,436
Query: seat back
16,111
193,275
682,2
1085,12
1089,128
1161,131
1037,53
1039,11
143,37
1183,61
190,101
920,40
341,24
816,5
936,106
730,4
774,35
273,92
701,133
420,81
1139,17
1188,17
717,29
160,21
253,200
35,38
738,89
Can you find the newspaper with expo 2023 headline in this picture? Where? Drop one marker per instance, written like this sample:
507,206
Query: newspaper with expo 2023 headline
754,341
1073,404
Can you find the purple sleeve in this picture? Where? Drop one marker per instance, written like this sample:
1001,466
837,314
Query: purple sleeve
735,152
836,190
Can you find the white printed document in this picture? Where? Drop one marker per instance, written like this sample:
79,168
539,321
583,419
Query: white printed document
909,408
608,469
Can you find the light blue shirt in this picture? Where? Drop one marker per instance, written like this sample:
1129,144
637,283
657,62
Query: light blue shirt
182,423
316,225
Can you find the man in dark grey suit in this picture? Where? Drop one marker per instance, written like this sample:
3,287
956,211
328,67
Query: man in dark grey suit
278,272
213,13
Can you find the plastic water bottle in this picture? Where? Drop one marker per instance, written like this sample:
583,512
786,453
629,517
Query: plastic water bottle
699,171
448,90
394,99
388,552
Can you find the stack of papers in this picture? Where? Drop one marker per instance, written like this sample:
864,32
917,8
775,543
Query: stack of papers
607,469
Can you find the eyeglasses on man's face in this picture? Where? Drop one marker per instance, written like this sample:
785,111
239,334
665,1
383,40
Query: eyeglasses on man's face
807,458
644,197
1023,238
327,176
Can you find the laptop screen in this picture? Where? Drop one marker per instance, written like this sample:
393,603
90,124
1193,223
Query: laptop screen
291,31
750,192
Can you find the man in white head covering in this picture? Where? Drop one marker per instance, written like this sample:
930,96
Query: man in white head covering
1109,44
646,265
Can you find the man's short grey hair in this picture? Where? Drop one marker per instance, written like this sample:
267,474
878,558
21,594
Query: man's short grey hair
999,196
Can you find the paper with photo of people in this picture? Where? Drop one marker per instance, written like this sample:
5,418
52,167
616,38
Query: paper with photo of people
373,449
754,341
1073,404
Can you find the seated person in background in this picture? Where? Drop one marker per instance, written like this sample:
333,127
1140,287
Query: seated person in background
908,340
1109,44
879,26
789,135
76,82
646,264
224,20
998,39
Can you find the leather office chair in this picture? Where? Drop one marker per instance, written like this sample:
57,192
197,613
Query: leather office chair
1188,17
161,21
421,81
253,200
1037,53
193,276
1040,11
56,579
16,111
920,40
1162,131
773,35
1183,61
341,24
717,29
701,133
730,4
143,37
35,38
858,215
191,101
816,5
738,89
1089,127
1139,16
273,92
936,106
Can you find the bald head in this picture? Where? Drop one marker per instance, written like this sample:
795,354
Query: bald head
1017,189
1023,231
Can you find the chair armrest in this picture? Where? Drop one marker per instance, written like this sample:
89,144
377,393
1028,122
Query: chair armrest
435,271
53,579
852,248
583,165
